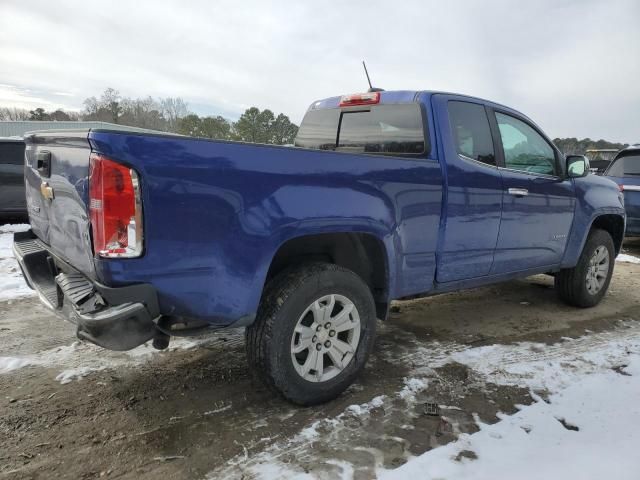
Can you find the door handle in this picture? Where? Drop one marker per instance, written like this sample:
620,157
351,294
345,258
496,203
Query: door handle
518,192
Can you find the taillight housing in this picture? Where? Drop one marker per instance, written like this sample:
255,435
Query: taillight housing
115,208
370,98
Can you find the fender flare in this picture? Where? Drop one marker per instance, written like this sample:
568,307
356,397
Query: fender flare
576,243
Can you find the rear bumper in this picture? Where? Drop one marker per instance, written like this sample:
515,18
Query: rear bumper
114,318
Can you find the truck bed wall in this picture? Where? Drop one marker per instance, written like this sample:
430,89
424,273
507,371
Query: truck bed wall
215,213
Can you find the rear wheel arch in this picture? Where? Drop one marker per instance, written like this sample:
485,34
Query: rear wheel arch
298,303
363,253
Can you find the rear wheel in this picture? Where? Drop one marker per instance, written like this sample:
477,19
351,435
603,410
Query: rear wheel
587,283
313,333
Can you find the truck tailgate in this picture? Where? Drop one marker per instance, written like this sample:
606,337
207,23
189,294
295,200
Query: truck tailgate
56,177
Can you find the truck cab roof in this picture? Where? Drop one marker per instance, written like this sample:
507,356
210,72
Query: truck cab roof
401,122
411,96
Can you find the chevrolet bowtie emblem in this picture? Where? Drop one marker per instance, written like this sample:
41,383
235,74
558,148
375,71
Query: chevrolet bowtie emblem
47,191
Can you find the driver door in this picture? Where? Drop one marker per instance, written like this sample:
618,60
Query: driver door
537,203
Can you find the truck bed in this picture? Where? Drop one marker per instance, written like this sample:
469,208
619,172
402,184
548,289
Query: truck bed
218,210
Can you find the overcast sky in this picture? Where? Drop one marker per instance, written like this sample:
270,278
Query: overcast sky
571,65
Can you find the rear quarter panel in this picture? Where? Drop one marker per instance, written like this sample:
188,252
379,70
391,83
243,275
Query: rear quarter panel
215,213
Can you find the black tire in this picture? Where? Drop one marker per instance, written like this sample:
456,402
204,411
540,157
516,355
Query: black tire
286,297
571,284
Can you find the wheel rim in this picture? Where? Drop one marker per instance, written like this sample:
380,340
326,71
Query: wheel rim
598,270
325,338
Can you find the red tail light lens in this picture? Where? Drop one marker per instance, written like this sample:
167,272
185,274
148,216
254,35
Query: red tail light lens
115,209
360,99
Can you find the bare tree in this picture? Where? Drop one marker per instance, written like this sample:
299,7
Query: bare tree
91,109
142,112
14,114
173,109
110,101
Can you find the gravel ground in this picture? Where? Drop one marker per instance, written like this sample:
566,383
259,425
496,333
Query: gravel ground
72,410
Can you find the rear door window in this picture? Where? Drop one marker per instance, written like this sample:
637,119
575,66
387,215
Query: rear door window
627,165
471,131
379,129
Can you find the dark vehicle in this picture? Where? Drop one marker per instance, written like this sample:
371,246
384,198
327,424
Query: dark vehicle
625,171
137,236
12,195
600,159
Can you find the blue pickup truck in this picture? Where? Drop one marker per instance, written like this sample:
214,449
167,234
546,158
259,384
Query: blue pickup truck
386,195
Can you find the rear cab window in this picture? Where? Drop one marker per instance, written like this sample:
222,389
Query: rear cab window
319,129
627,165
394,129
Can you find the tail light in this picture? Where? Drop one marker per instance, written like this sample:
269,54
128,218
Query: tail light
360,99
115,209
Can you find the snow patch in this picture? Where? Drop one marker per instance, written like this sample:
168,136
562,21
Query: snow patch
80,358
551,367
342,431
411,387
590,414
365,408
67,376
592,383
12,284
623,257
7,364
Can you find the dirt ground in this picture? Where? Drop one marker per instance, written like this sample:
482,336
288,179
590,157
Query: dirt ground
77,411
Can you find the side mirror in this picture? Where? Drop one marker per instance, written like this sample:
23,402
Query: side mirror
577,166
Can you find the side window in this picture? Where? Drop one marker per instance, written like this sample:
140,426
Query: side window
471,131
524,148
12,153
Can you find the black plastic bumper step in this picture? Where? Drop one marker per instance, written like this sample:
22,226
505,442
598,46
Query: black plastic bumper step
36,267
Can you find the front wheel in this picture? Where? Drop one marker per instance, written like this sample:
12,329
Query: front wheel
313,333
587,283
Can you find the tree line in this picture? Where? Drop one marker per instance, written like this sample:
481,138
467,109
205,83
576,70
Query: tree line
15,114
170,114
573,146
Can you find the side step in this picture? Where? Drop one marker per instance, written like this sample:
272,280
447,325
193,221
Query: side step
39,271
80,292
